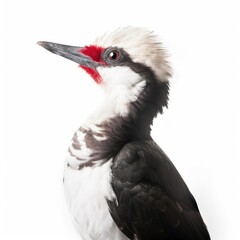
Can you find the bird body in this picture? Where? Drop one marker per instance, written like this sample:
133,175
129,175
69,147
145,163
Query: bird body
119,184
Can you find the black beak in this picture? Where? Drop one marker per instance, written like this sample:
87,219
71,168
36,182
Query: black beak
70,52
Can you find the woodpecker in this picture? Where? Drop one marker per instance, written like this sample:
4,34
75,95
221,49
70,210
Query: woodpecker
119,184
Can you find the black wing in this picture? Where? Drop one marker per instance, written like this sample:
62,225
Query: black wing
153,202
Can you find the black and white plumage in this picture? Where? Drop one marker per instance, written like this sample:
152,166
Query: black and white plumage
119,183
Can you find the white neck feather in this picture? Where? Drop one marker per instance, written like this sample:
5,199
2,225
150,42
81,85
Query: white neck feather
122,86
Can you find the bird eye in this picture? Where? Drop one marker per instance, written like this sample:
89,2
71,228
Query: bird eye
114,55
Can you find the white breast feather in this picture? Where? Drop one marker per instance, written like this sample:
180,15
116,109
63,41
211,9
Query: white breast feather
86,193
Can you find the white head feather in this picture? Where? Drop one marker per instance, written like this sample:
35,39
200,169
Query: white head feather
142,46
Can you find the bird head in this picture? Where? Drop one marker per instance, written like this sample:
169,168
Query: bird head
128,63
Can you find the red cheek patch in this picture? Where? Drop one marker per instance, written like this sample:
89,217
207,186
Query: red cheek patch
93,73
94,52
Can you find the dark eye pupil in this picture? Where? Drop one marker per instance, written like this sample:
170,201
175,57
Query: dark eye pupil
114,55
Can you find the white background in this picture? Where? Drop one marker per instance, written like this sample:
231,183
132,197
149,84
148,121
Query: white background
45,98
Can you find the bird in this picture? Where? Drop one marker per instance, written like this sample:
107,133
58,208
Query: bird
119,184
